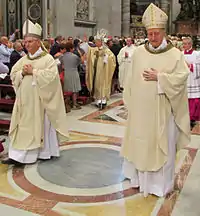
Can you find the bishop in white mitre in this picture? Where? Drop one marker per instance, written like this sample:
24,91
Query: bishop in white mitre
155,95
38,121
124,59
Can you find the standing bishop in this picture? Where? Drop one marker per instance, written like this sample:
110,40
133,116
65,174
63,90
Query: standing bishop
38,120
101,65
158,117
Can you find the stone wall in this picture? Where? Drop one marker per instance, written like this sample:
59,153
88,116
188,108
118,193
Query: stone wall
112,15
1,19
175,9
103,14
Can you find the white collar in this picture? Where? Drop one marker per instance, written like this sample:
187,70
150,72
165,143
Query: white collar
131,46
36,54
162,46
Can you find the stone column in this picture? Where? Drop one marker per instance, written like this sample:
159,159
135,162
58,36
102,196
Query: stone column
4,17
164,5
1,18
44,18
125,17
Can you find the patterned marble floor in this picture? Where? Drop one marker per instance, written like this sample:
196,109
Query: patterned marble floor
87,179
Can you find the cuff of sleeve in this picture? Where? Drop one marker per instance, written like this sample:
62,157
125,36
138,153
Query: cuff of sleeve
105,60
34,82
21,76
160,91
34,71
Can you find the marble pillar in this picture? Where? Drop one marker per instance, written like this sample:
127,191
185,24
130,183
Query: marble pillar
165,6
1,18
126,17
44,18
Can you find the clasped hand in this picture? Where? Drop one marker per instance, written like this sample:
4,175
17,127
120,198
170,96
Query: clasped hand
27,70
150,75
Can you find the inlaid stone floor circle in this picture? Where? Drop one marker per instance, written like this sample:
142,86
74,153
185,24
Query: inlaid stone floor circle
84,168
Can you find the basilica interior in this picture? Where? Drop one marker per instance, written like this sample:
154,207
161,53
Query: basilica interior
87,179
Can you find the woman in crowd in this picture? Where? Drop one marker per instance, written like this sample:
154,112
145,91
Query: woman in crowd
72,83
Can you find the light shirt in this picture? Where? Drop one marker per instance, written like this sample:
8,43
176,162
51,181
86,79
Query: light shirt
3,68
84,46
5,53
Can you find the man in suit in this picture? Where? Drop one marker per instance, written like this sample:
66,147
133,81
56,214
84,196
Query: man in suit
56,47
17,53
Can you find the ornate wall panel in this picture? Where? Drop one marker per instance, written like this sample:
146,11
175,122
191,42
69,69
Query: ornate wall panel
13,11
34,10
83,10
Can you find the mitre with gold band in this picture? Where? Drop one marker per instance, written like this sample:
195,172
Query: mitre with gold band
154,17
32,30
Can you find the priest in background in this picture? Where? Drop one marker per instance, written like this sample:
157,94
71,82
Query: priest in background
192,58
101,65
38,120
158,123
124,59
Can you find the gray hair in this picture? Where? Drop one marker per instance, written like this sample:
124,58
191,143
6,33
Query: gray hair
16,44
188,39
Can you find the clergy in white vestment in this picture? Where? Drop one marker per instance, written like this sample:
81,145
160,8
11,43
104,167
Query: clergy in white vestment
38,121
158,123
124,59
192,58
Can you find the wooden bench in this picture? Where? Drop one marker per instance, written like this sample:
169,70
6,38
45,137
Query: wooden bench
4,124
6,104
9,102
7,89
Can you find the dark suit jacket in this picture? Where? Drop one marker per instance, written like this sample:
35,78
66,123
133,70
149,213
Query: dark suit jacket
116,49
14,57
55,49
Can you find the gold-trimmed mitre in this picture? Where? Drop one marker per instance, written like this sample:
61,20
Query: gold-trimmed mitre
31,29
154,17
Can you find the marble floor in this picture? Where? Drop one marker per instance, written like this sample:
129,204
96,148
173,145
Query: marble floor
87,179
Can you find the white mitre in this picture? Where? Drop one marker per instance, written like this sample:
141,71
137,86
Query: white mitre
154,17
32,30
101,35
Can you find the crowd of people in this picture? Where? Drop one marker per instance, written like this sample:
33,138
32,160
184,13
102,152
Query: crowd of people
73,58
158,75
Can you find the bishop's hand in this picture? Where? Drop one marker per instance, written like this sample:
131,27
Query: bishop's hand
27,70
150,75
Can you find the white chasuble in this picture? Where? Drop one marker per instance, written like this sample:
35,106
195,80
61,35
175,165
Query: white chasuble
125,63
158,118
